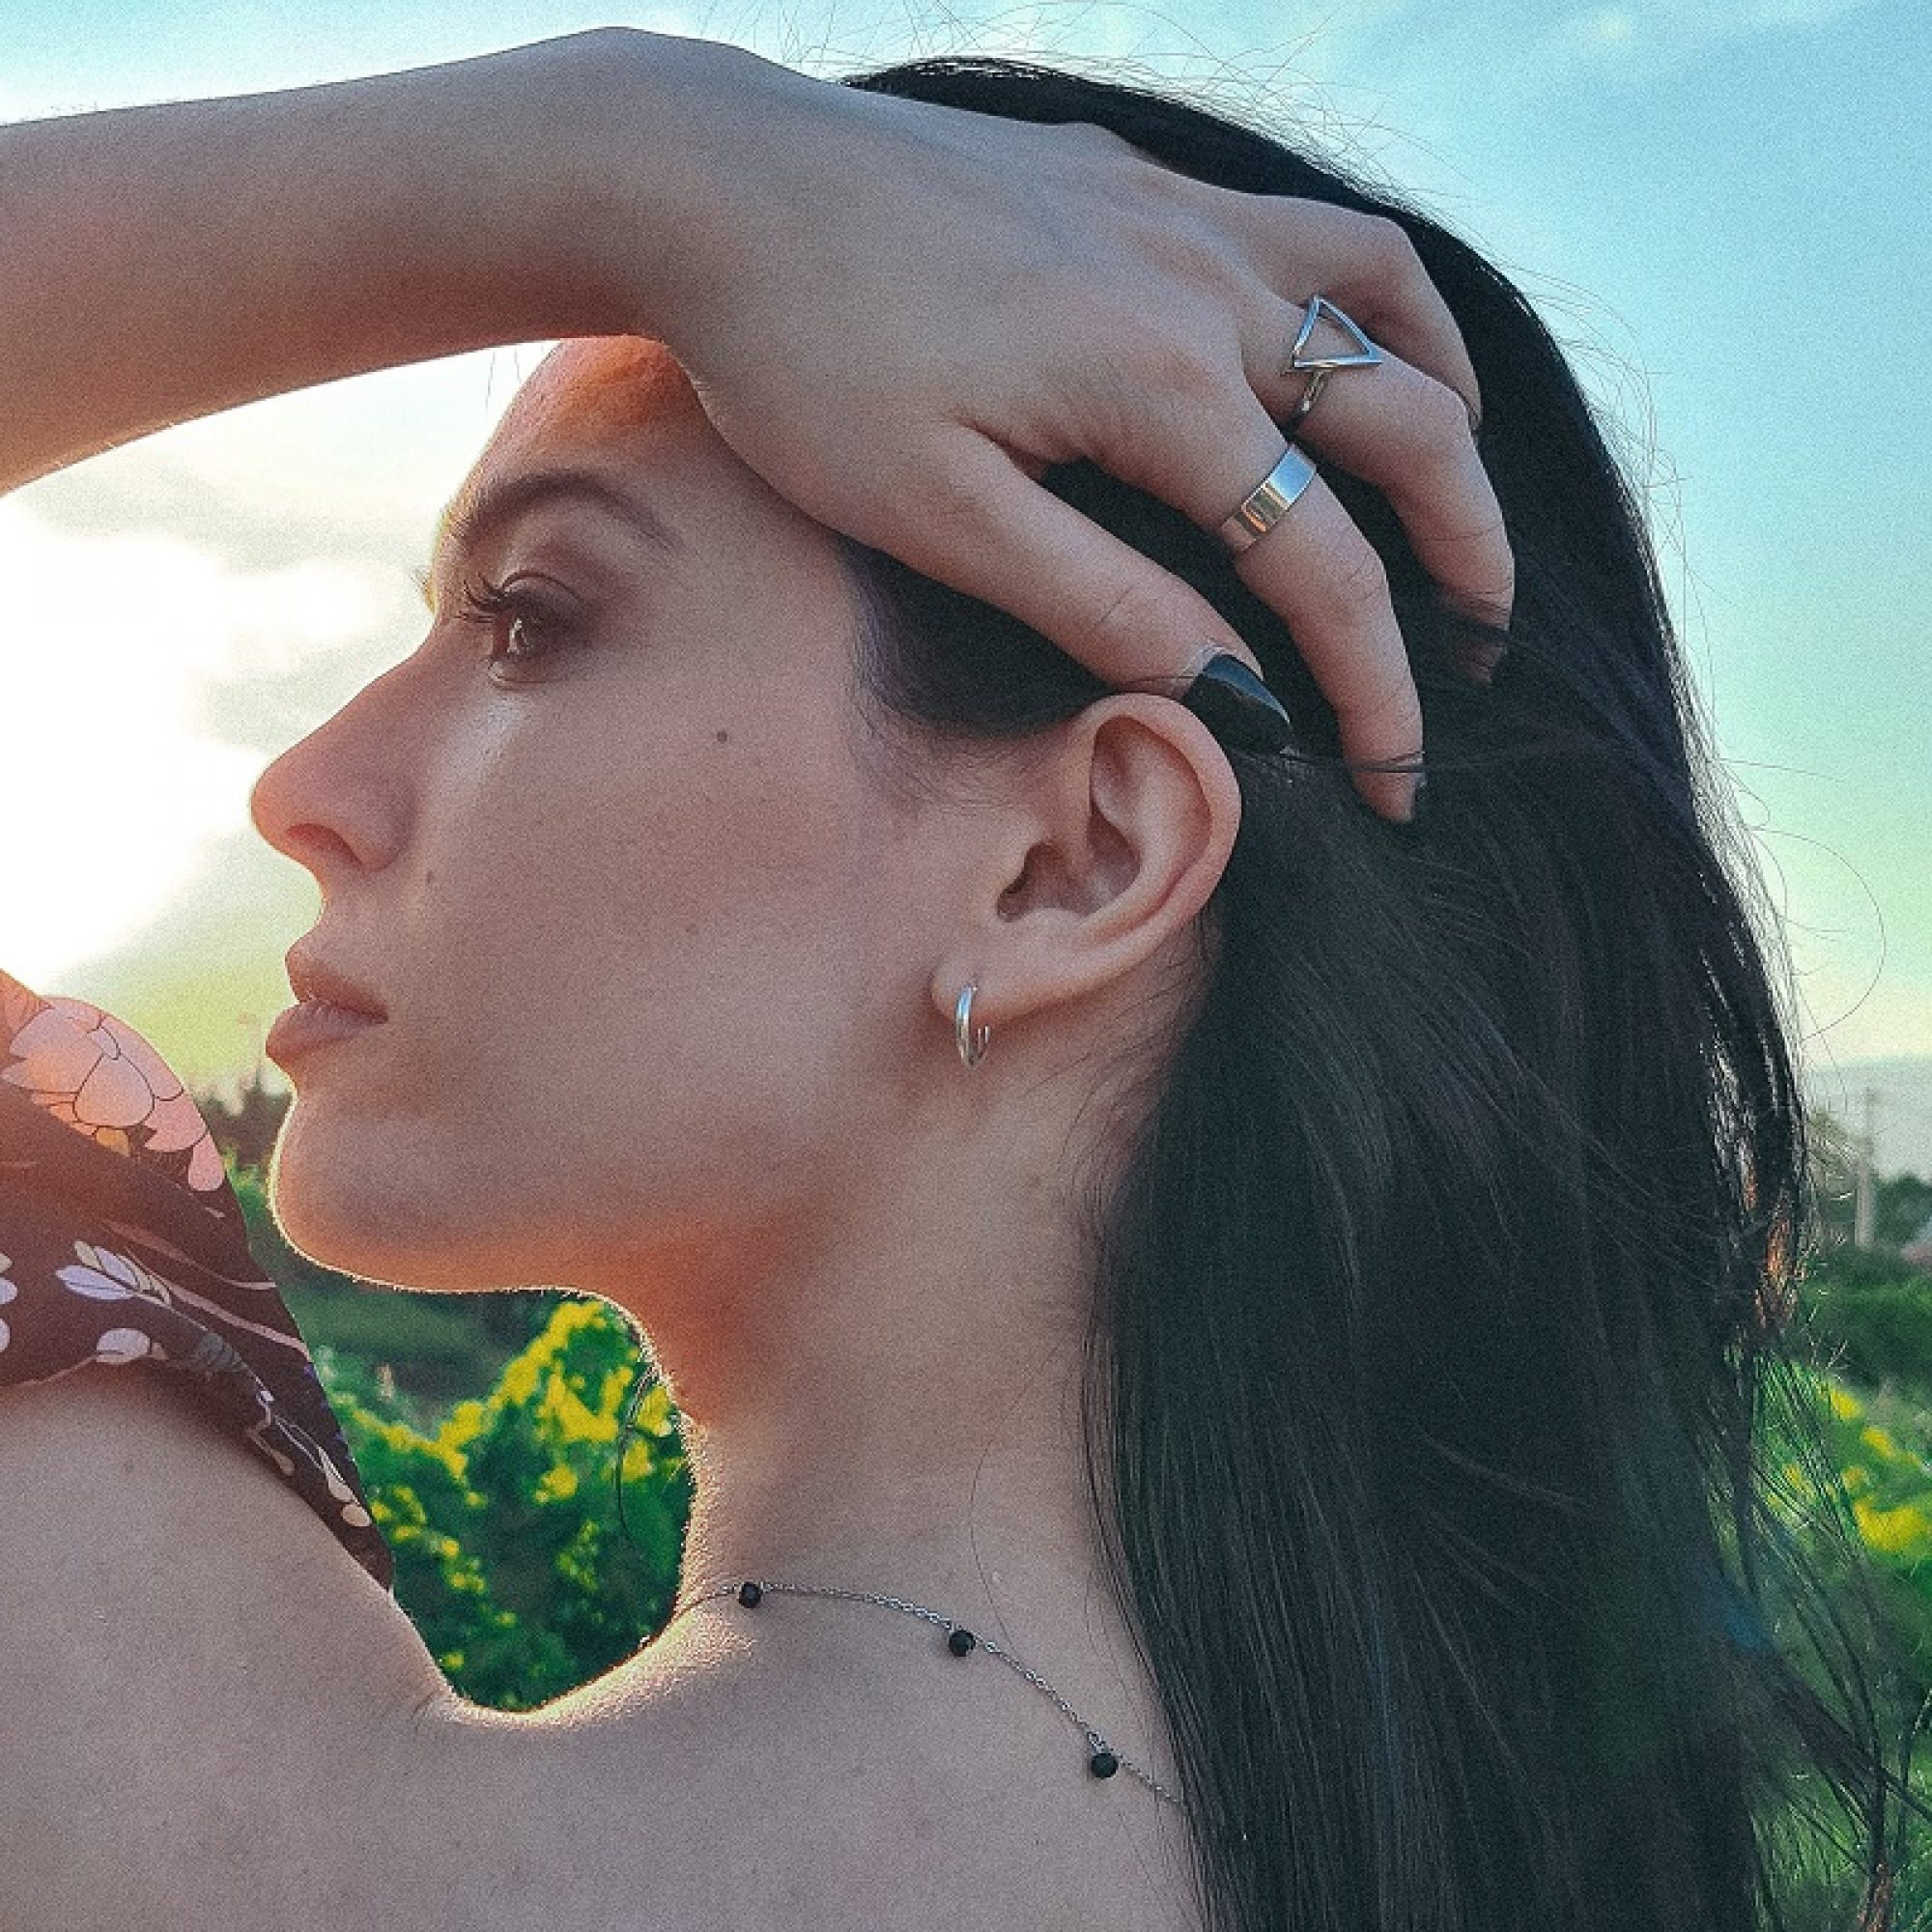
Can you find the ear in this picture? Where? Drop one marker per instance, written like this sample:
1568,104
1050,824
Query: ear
1112,837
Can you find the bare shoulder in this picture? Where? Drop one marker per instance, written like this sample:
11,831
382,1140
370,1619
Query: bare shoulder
199,1682
706,1806
214,1717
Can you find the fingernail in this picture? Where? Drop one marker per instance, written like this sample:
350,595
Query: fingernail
1238,707
1478,662
1418,799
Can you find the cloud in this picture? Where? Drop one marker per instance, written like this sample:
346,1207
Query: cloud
120,650
149,489
1642,38
1523,50
203,976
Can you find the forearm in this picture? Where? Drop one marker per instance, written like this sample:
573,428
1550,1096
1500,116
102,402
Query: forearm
163,263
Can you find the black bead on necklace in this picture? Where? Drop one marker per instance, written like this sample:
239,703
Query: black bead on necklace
1101,1761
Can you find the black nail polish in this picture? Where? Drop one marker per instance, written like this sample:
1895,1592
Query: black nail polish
1419,803
1478,662
1238,707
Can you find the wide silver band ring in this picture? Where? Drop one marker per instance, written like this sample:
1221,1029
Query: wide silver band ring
1268,502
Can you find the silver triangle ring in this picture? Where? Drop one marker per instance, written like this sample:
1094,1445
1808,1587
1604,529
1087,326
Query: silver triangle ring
1319,368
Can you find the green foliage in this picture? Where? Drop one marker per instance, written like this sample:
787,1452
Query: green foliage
1879,1467
245,1128
510,1559
1867,1316
501,1511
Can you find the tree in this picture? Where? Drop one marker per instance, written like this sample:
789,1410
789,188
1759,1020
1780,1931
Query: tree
511,1556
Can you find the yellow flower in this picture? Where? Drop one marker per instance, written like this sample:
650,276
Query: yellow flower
1895,1531
519,1380
572,1418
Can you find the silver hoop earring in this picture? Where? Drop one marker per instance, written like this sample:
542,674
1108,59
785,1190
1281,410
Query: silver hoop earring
971,1045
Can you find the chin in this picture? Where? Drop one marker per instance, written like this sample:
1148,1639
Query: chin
360,1218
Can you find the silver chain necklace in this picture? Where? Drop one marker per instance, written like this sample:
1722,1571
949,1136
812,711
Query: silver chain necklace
1102,1761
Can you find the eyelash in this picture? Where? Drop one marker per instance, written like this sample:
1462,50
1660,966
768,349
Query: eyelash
481,602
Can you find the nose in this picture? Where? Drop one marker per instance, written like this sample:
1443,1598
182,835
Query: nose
336,801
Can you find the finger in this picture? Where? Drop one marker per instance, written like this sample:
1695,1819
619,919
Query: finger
1129,621
994,532
1328,584
1399,429
1367,265
1318,572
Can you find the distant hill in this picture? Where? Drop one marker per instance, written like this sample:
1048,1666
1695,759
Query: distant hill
1902,1120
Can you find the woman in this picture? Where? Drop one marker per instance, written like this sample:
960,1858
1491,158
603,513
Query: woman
1294,1286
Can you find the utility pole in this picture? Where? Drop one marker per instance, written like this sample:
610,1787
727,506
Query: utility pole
1864,1205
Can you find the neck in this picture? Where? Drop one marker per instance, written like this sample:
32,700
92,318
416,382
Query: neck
987,1522
901,1417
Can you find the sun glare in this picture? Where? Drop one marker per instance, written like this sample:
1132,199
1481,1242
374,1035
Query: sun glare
114,780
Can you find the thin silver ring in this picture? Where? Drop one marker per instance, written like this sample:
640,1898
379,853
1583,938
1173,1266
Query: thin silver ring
1307,402
972,1043
1268,502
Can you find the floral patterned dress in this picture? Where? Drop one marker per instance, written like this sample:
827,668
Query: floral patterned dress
122,1243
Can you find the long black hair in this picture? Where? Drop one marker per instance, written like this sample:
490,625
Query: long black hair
1440,1331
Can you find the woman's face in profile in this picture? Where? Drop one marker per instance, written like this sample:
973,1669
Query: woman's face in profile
652,945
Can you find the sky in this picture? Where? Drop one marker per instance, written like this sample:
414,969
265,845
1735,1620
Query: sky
1720,209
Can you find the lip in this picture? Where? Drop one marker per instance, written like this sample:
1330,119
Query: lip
316,983
311,1024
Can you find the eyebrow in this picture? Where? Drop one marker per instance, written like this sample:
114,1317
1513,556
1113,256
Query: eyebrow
465,525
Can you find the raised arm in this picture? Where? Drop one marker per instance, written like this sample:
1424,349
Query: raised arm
168,261
899,314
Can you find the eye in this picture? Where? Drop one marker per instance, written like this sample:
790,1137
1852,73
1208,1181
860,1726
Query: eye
525,629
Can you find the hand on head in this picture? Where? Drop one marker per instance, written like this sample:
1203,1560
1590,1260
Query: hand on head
989,297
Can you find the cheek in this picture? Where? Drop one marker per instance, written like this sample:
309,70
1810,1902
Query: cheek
637,945
630,1022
